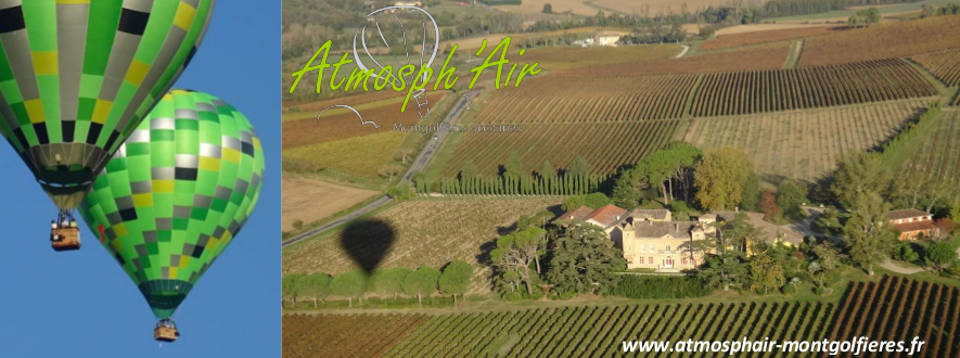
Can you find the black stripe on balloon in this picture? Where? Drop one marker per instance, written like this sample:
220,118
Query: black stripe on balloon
67,128
113,138
11,19
128,214
41,130
133,22
185,173
193,51
94,133
20,137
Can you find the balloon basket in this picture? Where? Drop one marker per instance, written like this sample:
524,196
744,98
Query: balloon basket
165,332
65,239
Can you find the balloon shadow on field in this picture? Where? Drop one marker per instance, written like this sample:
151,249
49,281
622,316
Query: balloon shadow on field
367,241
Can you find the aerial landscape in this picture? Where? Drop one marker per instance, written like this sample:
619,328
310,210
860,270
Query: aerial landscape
748,177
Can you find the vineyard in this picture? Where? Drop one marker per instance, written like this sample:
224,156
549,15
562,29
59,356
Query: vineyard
427,233
814,140
937,151
763,57
360,156
893,308
605,145
596,331
341,123
898,309
944,65
884,40
332,335
759,37
560,98
766,91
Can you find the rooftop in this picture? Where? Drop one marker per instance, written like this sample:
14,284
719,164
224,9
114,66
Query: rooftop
655,214
658,229
906,213
606,216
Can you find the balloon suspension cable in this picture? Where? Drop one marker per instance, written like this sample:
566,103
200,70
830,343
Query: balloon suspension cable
64,218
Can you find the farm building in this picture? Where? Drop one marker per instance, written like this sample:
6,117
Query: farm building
913,224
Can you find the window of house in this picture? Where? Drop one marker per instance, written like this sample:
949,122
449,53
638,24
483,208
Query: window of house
668,247
651,259
641,260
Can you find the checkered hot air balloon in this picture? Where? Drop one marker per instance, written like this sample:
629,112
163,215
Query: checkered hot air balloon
76,77
175,195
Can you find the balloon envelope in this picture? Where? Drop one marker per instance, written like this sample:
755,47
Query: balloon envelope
176,193
76,77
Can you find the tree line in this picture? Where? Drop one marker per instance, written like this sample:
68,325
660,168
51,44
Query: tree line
513,179
453,280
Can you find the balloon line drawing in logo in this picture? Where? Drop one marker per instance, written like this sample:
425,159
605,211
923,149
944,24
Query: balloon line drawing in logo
354,110
426,21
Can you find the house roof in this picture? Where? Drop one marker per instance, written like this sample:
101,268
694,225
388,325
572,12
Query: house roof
906,213
658,229
916,226
654,214
580,213
607,215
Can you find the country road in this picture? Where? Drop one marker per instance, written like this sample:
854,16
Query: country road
419,164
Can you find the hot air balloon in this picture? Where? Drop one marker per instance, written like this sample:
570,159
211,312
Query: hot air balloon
174,195
76,77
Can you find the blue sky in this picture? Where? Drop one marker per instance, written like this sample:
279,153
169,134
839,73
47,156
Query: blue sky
81,303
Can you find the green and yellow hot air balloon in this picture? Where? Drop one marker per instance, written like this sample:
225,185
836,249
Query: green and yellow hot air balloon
76,77
175,195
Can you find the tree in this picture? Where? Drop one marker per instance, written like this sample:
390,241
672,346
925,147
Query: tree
822,268
584,259
403,154
317,285
857,175
720,178
547,8
291,285
455,279
421,282
349,284
579,166
668,165
547,171
791,195
389,171
869,236
515,253
514,167
828,222
941,255
751,193
298,224
771,211
765,273
625,192
388,281
468,170
723,271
